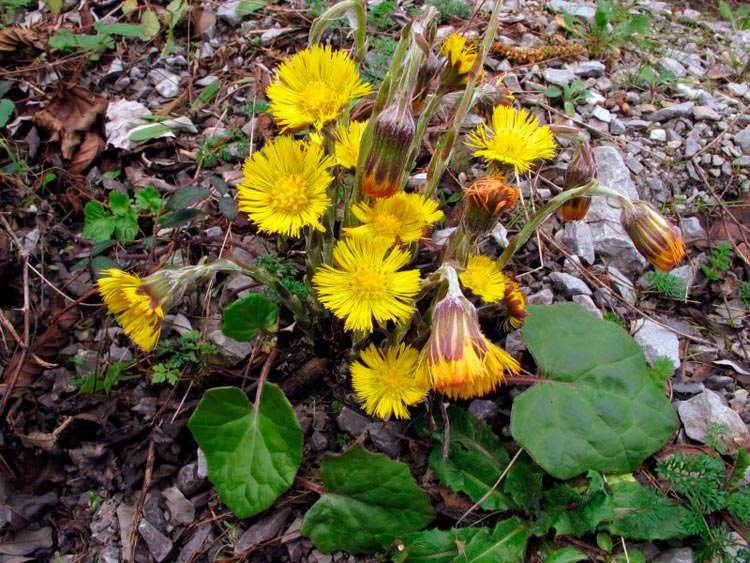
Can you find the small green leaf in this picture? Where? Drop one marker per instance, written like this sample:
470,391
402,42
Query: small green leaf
151,25
599,408
207,94
178,218
247,7
434,546
252,455
566,555
570,108
506,543
142,134
552,92
476,458
6,111
228,208
122,29
369,501
119,203
148,199
98,223
244,318
126,226
726,11
187,196
55,6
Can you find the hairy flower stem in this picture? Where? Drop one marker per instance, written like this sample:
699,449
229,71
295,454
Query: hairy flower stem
336,11
442,155
549,209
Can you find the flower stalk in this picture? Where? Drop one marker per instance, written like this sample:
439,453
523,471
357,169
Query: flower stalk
336,11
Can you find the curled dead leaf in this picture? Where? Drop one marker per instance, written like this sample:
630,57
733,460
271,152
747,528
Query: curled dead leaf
90,148
13,37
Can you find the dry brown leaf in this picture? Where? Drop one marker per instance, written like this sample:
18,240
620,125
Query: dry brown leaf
69,114
90,148
12,37
203,20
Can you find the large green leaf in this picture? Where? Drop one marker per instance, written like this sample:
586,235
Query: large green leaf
248,315
599,409
565,555
369,501
506,543
476,459
435,546
252,455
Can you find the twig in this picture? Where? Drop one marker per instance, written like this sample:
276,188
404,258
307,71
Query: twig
491,490
625,549
446,430
142,499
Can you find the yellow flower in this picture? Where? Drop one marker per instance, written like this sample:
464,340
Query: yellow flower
400,219
135,305
515,139
515,302
461,58
313,87
366,283
284,186
458,360
484,278
653,235
348,139
385,381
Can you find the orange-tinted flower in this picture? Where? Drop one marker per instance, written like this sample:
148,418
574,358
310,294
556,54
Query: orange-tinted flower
581,171
485,199
515,303
654,236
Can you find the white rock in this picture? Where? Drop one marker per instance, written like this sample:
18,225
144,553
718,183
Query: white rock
738,89
702,413
570,284
588,69
670,64
500,235
587,303
233,349
559,76
580,9
577,237
270,35
743,139
121,118
701,113
658,135
623,284
602,114
658,342
228,12
692,229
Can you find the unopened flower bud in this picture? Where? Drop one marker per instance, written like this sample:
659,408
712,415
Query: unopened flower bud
653,235
581,171
485,199
393,135
426,73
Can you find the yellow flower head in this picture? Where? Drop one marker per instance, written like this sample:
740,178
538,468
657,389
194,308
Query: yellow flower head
385,381
461,58
348,139
515,139
135,305
653,235
366,283
399,219
458,360
313,87
515,302
284,186
484,278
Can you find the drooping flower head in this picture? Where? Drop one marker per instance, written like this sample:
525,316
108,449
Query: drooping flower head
515,302
385,380
284,186
399,219
485,199
580,171
137,303
654,236
515,139
484,278
366,282
460,60
384,167
313,87
348,140
458,360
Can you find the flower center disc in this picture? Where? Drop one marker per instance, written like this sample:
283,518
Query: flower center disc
290,195
368,283
320,100
386,224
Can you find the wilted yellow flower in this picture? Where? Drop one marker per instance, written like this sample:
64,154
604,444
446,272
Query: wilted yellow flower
385,381
365,282
653,235
284,186
515,139
400,219
135,303
458,360
485,199
515,302
484,278
348,139
461,58
313,87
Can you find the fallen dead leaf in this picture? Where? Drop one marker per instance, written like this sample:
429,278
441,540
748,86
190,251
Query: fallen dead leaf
12,37
90,148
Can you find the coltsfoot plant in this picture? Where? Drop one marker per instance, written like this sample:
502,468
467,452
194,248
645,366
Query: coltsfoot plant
405,321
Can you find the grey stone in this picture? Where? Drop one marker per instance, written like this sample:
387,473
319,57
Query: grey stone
676,555
559,76
159,545
318,441
701,113
579,9
109,555
230,348
659,135
270,35
483,409
692,229
351,421
587,69
194,545
167,83
685,273
674,66
701,414
743,139
514,342
717,382
742,162
677,110
500,235
692,146
263,531
228,12
687,387
587,303
385,435
602,114
616,126
570,284
637,124
737,89
577,237
120,353
125,517
543,297
26,542
202,470
623,284
188,480
657,342
181,510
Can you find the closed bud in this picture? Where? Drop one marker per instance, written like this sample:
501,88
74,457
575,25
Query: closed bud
426,73
581,171
485,199
393,135
653,235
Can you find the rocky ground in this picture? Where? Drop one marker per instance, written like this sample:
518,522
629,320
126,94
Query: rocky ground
115,476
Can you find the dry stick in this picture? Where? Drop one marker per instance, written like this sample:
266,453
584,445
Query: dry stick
625,549
491,490
142,498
